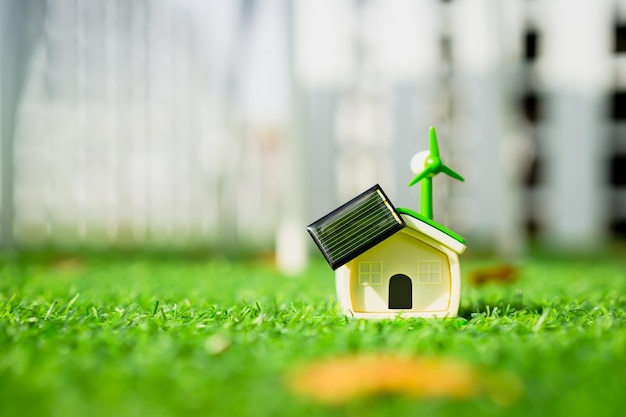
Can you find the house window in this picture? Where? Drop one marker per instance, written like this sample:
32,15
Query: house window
429,272
370,273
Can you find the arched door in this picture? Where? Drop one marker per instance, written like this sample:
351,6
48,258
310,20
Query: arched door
400,292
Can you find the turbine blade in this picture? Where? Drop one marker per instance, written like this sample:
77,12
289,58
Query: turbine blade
447,170
434,146
420,176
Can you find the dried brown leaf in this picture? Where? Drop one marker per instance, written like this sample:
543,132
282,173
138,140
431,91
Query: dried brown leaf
500,274
341,379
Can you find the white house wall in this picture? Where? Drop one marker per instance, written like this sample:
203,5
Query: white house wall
401,254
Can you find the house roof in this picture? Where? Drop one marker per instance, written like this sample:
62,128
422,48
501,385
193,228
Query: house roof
433,230
432,223
367,220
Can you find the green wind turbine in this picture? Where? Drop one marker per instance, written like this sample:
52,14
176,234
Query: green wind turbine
425,165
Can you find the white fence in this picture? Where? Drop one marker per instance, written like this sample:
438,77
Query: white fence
233,123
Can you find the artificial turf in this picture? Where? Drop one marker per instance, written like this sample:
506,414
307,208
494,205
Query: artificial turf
158,336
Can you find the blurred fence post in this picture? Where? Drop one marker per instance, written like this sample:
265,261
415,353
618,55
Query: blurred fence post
322,68
20,27
480,114
577,75
291,237
410,55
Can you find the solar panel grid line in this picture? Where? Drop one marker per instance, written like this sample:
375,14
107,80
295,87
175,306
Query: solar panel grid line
341,235
339,231
363,237
357,236
353,240
340,260
371,206
357,240
388,205
357,225
348,218
342,221
361,218
345,207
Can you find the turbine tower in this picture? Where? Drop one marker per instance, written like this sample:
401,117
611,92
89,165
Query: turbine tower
425,165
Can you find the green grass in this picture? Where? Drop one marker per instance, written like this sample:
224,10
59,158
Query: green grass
169,336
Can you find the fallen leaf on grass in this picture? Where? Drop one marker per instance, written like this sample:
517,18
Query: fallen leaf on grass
69,264
216,344
339,380
500,274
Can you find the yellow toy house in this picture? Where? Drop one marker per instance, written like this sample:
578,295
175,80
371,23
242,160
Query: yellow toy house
390,261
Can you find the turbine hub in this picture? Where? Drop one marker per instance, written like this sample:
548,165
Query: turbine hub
418,162
434,163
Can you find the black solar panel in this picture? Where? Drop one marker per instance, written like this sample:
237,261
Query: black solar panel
353,228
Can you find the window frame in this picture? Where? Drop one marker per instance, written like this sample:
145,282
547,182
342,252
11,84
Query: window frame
370,277
433,272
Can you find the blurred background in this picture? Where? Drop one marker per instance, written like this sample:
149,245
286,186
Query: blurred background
234,124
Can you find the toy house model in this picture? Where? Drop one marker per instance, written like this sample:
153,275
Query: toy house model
389,261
